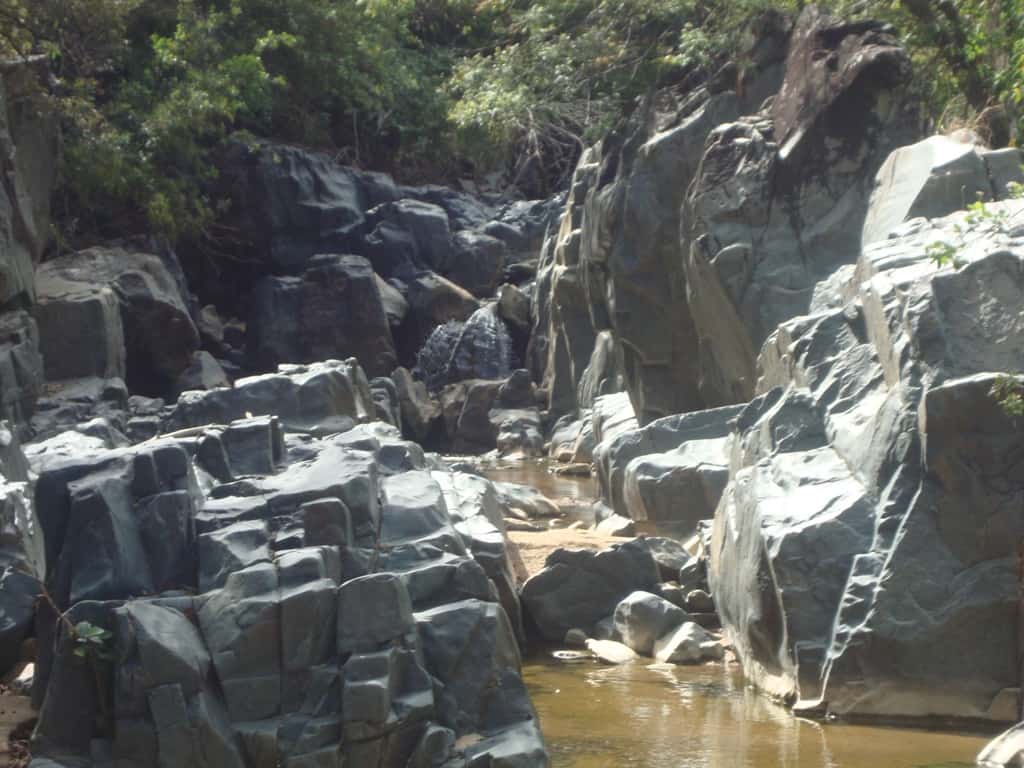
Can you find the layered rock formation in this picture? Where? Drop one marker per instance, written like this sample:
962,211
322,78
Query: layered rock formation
298,589
692,233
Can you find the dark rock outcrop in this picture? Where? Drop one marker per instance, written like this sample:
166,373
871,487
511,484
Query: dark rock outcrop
332,310
277,598
152,316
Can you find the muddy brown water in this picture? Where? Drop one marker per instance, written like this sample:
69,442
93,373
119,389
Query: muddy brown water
646,715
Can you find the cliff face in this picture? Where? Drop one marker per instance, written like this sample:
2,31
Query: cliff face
29,145
861,474
694,231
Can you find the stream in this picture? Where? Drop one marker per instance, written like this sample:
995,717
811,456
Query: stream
649,715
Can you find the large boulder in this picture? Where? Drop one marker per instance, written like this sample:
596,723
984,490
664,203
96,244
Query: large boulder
159,335
861,455
316,397
578,588
333,310
433,301
934,178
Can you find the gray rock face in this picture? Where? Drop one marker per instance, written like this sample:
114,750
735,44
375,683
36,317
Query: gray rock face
80,328
21,368
158,332
22,553
857,457
29,141
312,397
347,614
579,588
672,471
433,301
685,219
476,262
332,311
802,174
934,178
420,412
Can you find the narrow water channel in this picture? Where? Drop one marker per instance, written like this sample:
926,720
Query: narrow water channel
646,715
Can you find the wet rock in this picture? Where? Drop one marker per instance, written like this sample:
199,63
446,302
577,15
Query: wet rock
479,348
642,617
612,652
333,310
688,644
525,501
579,588
433,301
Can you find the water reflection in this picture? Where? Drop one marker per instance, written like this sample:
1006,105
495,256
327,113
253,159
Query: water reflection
642,716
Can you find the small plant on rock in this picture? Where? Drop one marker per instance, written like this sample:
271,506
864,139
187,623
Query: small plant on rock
1008,391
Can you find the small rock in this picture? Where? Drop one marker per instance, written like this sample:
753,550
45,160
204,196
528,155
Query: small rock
687,644
699,601
611,652
616,525
644,617
576,638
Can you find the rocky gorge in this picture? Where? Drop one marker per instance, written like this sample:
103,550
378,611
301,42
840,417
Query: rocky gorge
780,322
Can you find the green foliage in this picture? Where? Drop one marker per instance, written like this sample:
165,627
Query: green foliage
149,89
1008,391
92,643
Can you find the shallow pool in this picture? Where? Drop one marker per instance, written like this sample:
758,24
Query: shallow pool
661,716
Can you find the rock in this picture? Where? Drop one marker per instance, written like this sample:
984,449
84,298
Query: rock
81,333
211,329
578,588
1005,751
519,432
159,335
525,501
740,283
694,574
699,601
292,204
305,398
476,263
203,373
671,471
514,308
616,525
687,644
22,562
669,554
421,414
385,400
333,310
612,652
433,301
394,303
930,179
642,617
427,227
73,402
479,348
21,368
576,638
868,415
466,408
